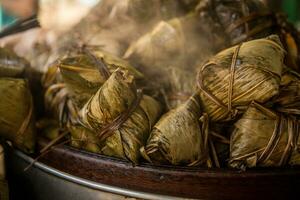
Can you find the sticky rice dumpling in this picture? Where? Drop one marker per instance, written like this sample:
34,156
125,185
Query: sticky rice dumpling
179,138
120,116
235,77
263,138
84,74
17,114
11,65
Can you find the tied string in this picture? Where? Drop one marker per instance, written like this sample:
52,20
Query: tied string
99,62
84,47
25,124
275,20
211,96
232,73
54,144
291,127
47,149
245,21
45,152
109,129
251,32
57,98
283,124
205,158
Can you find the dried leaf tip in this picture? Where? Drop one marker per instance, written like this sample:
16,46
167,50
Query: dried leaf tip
124,75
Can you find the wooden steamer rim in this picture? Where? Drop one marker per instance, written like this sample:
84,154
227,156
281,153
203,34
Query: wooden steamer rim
185,182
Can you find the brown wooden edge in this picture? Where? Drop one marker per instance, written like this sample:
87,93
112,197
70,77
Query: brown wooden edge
176,181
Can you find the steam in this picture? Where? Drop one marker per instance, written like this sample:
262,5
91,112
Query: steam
164,39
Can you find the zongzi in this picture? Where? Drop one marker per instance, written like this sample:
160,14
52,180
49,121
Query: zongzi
263,138
235,77
179,138
17,114
120,116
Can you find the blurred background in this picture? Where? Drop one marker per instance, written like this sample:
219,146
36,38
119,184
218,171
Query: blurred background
63,14
290,7
58,16
54,14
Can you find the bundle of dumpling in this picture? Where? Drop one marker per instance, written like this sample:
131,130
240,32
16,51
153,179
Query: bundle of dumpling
75,79
80,76
235,77
168,55
180,137
120,116
247,20
17,114
263,138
